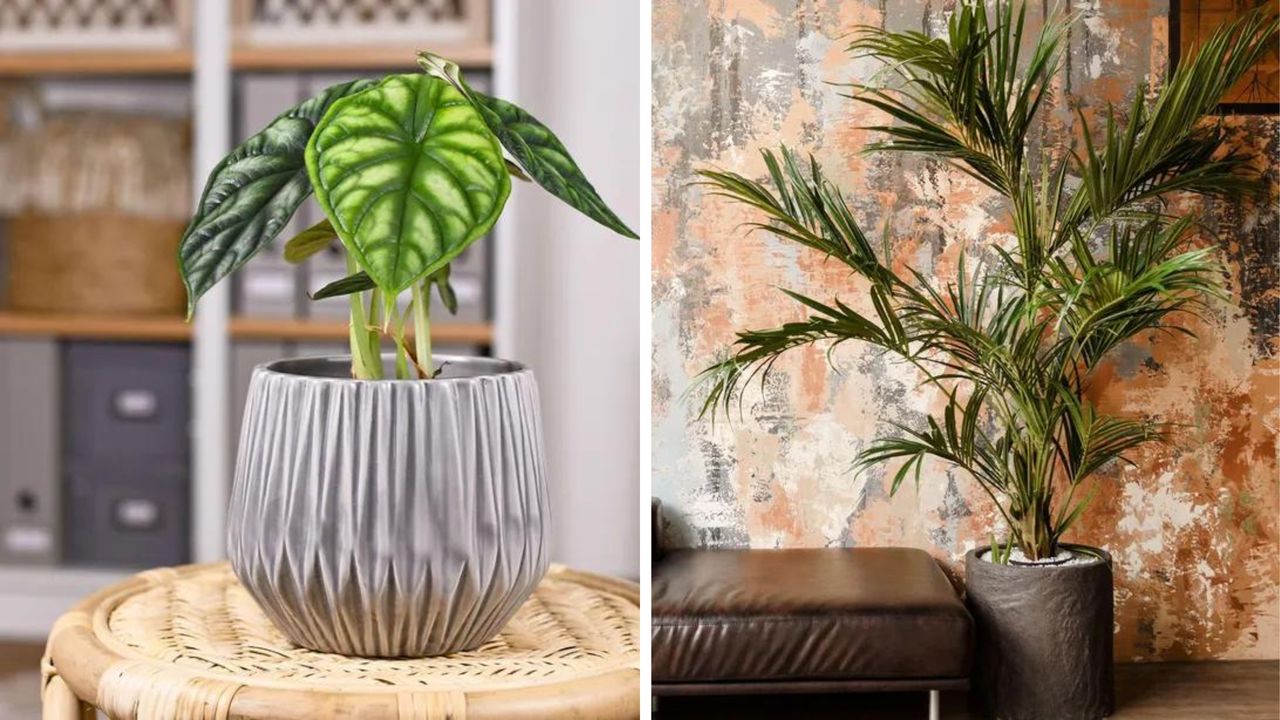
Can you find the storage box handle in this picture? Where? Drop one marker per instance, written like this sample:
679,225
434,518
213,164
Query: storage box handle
135,404
135,514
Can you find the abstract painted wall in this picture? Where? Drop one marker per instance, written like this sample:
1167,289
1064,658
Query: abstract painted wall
1192,526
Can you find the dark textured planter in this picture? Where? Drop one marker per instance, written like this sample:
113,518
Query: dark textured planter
1043,639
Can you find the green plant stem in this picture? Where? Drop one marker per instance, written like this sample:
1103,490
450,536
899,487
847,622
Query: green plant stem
373,335
422,326
365,363
402,357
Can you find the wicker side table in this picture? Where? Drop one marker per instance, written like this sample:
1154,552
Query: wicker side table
189,642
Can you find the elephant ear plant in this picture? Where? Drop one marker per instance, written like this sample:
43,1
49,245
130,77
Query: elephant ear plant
409,171
1012,342
386,519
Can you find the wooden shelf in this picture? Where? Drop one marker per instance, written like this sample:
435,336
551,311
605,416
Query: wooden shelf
102,327
112,327
243,57
283,58
247,328
96,62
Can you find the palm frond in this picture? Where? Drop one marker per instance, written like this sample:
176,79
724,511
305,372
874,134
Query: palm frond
1166,146
1087,442
966,98
755,351
1147,277
1091,440
804,207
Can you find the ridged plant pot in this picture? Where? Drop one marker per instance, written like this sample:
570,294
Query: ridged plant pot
1044,638
390,518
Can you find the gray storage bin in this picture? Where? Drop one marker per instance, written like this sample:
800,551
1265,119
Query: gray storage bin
456,349
30,432
267,286
128,514
319,349
126,400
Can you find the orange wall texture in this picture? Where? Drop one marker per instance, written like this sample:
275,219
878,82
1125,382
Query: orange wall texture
1192,526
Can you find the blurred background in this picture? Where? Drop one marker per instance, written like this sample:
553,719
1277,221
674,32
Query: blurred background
118,420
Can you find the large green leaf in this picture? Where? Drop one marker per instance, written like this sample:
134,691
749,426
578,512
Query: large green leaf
409,175
533,145
251,195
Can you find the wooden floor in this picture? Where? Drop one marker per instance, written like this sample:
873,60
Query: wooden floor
1155,691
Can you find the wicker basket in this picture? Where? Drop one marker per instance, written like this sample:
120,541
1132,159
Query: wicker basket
417,23
48,25
95,262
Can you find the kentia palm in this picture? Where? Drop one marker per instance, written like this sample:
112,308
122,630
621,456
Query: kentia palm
1012,343
386,505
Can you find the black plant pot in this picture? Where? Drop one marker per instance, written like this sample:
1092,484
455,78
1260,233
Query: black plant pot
1043,639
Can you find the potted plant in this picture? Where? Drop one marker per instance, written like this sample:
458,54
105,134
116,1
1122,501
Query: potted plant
1011,342
386,505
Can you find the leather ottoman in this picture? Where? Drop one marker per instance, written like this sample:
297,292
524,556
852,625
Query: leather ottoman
861,619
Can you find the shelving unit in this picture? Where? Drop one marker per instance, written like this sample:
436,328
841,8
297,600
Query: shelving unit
352,58
94,327
31,597
96,62
160,329
249,328
243,58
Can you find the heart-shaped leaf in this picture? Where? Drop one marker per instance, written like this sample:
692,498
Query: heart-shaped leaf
533,145
251,195
309,242
409,174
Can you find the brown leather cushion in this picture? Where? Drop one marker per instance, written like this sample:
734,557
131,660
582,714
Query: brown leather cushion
752,615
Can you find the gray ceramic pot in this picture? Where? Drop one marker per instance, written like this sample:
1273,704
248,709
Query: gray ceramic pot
390,518
1043,638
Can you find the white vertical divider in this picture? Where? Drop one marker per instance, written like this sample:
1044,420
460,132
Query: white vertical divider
505,36
566,302
211,469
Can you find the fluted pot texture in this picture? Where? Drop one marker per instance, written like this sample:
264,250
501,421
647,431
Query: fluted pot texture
390,518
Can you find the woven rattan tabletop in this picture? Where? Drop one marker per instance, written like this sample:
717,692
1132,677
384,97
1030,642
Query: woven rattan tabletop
189,642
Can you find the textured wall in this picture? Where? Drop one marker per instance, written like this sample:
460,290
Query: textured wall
1193,526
